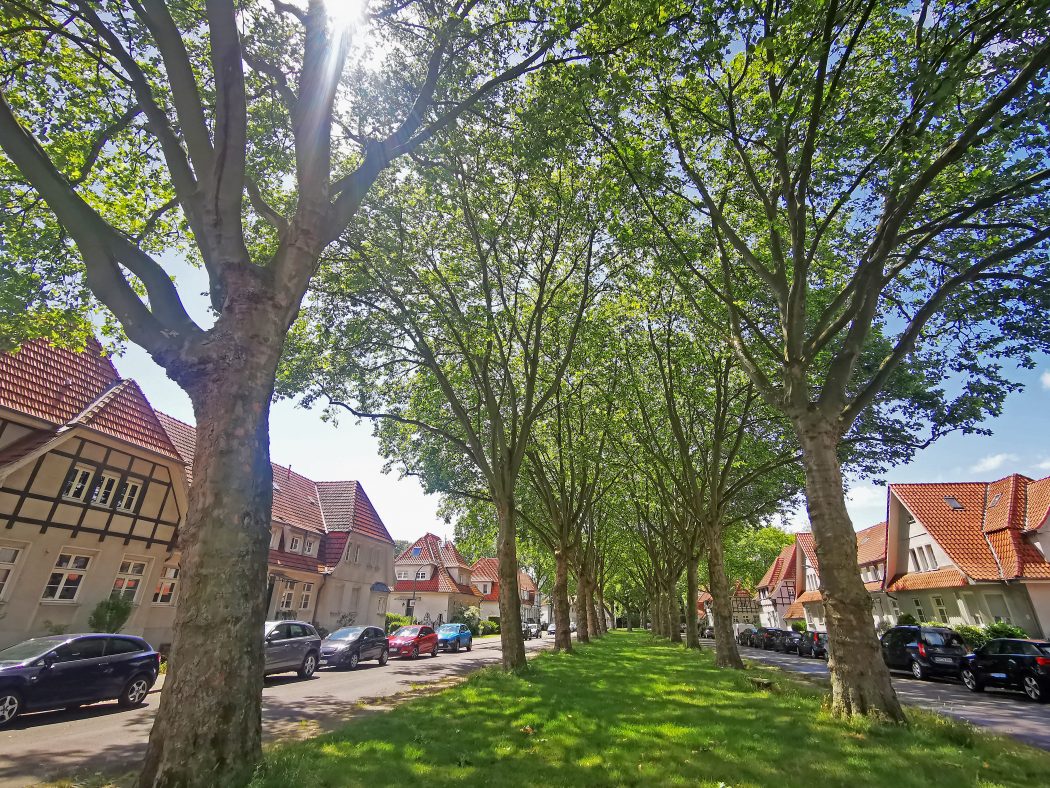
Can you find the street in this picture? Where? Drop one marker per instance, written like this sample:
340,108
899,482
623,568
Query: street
1001,711
104,737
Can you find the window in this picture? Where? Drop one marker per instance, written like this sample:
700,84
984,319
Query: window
357,553
953,503
77,483
129,495
355,598
169,581
8,559
105,489
307,596
416,551
919,613
65,581
129,578
942,611
122,646
286,595
421,574
929,555
311,544
295,544
84,648
402,574
275,540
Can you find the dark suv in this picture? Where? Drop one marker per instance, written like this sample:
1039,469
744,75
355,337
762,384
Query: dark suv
925,651
767,638
66,671
813,644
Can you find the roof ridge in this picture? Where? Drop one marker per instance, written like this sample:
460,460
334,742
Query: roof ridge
93,408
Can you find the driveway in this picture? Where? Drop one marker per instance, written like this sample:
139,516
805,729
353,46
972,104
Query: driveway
1000,711
103,737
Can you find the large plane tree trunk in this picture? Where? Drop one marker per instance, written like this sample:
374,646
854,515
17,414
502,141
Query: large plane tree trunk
208,727
726,654
860,681
562,635
674,615
692,572
510,636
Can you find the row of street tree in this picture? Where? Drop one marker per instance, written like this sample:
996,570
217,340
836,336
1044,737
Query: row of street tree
621,281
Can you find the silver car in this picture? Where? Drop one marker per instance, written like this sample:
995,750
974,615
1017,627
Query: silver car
291,645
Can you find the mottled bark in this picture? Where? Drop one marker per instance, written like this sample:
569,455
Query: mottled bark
674,613
562,635
593,630
692,635
208,726
603,626
581,614
726,654
510,636
860,681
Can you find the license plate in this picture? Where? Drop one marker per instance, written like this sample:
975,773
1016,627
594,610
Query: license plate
944,660
997,675
322,662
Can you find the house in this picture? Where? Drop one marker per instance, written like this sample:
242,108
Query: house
93,489
92,493
485,578
433,581
972,552
331,557
745,608
776,589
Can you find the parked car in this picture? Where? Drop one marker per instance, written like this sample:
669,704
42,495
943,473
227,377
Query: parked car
347,646
291,645
572,627
414,640
453,637
768,637
551,629
526,631
1011,663
743,637
788,642
924,651
531,630
813,644
67,671
708,632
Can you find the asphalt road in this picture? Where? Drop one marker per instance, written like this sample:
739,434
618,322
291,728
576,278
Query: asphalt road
106,738
1000,711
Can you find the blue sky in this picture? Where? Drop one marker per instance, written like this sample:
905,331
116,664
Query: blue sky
324,451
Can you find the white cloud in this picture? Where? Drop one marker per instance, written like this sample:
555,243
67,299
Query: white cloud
1045,380
1043,465
993,462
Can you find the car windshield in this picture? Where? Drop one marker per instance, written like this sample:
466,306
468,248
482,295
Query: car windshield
346,633
407,632
937,638
30,649
450,629
1043,647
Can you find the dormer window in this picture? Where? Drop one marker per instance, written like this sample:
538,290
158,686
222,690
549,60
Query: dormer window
421,574
296,544
954,503
995,500
311,546
416,551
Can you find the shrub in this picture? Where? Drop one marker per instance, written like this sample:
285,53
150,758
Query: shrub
489,627
974,637
1004,630
798,626
906,620
394,621
110,615
471,616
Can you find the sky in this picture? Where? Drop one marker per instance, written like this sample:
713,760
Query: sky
323,451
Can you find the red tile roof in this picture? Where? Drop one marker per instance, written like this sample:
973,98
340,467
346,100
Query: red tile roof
66,389
916,581
450,556
183,437
871,544
429,552
486,570
804,539
782,566
1037,511
795,610
985,537
441,582
304,563
346,507
809,596
525,583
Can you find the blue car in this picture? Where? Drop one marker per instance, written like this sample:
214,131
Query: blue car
453,637
66,671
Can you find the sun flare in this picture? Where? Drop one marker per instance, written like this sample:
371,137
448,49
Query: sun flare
347,14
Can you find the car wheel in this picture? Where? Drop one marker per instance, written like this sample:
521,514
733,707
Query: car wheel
917,670
415,652
1033,689
434,651
969,680
469,644
455,645
10,705
384,657
134,692
306,670
351,663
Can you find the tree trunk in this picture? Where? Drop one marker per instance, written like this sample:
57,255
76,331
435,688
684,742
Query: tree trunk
581,610
630,623
510,636
593,630
674,615
692,635
656,611
562,636
726,654
208,726
603,626
860,680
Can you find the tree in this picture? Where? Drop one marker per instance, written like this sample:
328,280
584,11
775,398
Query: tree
749,551
245,136
454,313
872,179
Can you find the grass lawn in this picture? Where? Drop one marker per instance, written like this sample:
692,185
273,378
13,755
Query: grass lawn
633,711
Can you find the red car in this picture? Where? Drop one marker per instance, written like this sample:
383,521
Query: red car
413,641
